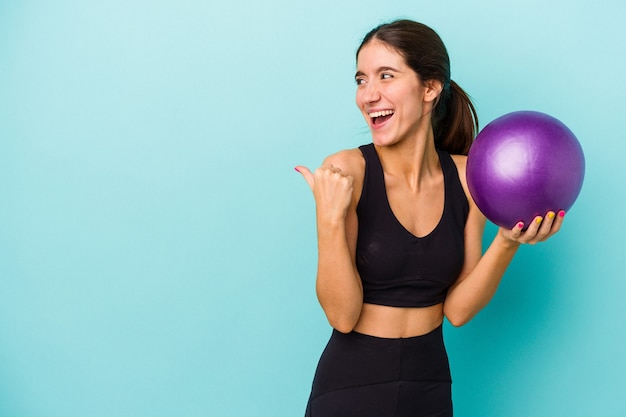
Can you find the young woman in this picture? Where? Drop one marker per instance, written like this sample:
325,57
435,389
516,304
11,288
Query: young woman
399,236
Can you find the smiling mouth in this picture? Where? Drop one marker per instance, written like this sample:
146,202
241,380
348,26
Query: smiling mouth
379,117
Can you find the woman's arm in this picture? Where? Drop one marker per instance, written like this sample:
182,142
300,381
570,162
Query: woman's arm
336,187
482,273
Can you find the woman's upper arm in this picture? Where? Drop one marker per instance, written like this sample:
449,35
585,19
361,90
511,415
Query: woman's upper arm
474,227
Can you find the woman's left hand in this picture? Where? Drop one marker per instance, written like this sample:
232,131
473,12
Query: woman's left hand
540,229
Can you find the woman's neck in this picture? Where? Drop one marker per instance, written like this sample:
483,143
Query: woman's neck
412,160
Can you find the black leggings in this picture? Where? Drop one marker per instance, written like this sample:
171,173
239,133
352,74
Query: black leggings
368,376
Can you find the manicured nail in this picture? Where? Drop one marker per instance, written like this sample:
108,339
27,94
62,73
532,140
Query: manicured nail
539,219
296,168
520,225
562,213
551,215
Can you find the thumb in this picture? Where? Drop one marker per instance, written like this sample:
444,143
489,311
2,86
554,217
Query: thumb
307,174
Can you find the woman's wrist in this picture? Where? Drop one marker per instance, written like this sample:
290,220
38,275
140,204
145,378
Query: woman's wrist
504,241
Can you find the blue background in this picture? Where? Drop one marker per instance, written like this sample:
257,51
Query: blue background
157,249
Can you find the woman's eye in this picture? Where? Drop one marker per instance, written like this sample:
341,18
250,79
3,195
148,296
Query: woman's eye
385,76
360,81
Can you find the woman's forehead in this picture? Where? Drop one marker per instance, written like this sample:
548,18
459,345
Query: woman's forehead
377,53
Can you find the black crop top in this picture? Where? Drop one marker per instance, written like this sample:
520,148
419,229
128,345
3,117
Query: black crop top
397,268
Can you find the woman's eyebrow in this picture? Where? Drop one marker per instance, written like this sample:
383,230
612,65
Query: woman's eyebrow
378,71
383,69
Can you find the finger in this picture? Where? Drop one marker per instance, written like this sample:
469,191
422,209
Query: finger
545,228
307,174
331,168
557,222
530,234
516,231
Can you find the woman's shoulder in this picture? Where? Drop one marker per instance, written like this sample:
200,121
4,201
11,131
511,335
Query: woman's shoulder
459,160
350,161
461,163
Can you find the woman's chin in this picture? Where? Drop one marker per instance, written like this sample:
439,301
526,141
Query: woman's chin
382,140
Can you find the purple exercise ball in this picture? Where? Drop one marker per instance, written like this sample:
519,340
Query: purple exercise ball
522,165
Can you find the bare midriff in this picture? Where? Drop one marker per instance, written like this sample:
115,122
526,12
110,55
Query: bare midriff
398,322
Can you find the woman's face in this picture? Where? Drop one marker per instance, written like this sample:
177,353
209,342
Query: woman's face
393,101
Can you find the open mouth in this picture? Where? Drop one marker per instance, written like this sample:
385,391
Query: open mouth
380,117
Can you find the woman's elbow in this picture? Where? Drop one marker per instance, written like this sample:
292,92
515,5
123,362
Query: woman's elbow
342,328
457,321
343,320
342,315
457,318
343,324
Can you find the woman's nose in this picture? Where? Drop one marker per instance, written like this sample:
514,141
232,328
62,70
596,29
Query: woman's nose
371,93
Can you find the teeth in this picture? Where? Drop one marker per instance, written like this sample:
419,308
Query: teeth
381,113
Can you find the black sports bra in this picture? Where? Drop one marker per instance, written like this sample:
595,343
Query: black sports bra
397,268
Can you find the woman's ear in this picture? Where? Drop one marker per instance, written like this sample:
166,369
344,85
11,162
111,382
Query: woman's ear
433,90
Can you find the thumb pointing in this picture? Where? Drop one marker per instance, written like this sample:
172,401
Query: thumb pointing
307,174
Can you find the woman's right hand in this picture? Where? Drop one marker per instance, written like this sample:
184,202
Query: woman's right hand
332,189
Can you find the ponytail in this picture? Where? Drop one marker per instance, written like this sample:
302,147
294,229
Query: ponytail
455,122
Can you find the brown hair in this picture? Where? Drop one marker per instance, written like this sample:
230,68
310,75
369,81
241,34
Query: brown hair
454,118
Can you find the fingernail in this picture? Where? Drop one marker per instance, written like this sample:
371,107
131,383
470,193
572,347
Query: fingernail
539,219
562,213
520,225
297,170
550,215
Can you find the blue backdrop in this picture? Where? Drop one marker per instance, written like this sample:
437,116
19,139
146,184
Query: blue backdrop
157,249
